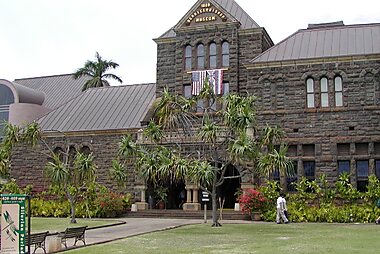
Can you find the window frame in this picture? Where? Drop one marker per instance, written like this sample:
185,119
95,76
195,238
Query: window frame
310,93
213,61
200,56
338,92
341,166
188,55
324,86
362,180
225,54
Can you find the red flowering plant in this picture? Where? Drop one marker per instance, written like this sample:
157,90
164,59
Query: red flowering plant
252,201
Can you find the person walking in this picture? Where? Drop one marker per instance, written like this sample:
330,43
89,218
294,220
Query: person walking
281,209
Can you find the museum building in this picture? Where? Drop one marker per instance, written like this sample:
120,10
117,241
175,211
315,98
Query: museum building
320,85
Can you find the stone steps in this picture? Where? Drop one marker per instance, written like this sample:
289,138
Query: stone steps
172,213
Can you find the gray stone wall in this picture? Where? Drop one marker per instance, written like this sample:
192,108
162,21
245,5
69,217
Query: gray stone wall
244,46
281,93
28,163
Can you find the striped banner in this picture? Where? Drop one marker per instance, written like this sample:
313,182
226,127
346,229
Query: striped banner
215,78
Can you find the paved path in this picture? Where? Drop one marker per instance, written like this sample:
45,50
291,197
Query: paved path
132,227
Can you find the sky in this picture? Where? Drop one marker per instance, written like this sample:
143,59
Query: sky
53,37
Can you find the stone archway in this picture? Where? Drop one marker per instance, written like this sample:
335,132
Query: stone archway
227,191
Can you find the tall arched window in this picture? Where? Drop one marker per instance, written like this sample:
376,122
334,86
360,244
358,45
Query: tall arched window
324,92
338,84
188,56
200,56
212,50
310,93
225,54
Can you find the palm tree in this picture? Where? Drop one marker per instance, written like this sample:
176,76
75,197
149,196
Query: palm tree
97,71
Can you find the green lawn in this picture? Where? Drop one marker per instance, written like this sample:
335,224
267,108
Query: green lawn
263,238
60,224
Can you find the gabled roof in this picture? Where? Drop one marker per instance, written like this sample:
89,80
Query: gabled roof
57,89
232,9
324,41
106,108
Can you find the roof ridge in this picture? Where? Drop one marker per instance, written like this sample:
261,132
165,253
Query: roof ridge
49,76
119,86
338,26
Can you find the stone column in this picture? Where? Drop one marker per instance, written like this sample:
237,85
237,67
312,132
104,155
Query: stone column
188,196
195,195
142,205
192,201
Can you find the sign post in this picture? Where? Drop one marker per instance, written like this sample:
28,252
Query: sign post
205,199
13,223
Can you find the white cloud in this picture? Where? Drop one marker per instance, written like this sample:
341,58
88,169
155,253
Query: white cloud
45,37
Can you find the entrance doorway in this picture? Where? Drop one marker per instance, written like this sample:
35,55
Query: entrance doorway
227,191
175,195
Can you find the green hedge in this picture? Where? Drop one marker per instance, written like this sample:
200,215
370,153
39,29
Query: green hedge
316,201
96,202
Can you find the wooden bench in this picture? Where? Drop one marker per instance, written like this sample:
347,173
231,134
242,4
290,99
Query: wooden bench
77,233
38,240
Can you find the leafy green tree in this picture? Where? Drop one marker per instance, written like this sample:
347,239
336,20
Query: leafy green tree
98,71
73,176
224,134
74,172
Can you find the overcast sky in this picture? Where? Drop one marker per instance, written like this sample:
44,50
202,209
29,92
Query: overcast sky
51,37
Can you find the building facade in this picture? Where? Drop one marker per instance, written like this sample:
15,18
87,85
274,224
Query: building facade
321,85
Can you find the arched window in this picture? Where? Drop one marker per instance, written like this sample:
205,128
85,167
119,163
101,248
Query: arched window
85,150
59,151
6,95
200,56
212,50
338,84
225,54
324,92
310,93
6,98
188,57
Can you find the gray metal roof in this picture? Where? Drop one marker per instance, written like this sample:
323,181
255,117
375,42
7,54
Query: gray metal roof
230,7
323,41
57,89
107,108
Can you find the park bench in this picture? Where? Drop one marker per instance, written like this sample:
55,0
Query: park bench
77,233
38,240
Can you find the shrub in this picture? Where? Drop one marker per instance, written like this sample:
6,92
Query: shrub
252,201
110,205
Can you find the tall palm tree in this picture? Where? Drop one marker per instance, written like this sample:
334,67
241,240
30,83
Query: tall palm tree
97,70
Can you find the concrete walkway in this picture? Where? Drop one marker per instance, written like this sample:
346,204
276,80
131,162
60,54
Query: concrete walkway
132,227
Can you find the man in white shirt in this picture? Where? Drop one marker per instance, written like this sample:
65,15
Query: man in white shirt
281,207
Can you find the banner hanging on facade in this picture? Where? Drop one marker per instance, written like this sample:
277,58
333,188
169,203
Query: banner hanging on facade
13,223
214,77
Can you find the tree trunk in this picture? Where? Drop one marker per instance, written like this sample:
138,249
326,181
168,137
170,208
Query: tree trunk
72,205
283,182
215,222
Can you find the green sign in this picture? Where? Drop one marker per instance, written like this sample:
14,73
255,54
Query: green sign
13,223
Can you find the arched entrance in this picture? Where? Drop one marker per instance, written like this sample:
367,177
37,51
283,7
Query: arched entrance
227,191
174,194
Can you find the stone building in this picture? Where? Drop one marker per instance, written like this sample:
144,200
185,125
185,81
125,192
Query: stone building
320,85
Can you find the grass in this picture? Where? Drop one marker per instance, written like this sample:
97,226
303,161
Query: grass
39,224
263,238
